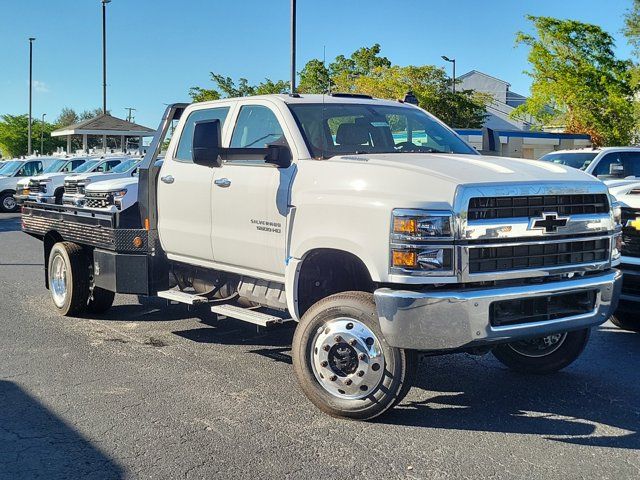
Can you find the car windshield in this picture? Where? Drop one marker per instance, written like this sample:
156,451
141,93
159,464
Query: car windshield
579,160
125,166
55,166
87,166
338,129
10,168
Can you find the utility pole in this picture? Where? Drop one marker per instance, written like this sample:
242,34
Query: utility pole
42,135
129,115
104,55
293,47
31,40
453,61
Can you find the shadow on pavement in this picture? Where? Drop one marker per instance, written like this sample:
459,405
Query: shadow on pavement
36,443
592,409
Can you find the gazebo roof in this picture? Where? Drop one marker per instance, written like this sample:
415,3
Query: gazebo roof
105,124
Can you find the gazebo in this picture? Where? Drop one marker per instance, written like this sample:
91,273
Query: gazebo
104,126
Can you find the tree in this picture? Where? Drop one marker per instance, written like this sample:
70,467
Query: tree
14,135
68,116
632,33
314,78
578,81
228,88
432,88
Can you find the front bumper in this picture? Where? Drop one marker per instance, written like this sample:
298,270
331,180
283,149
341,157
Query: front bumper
449,320
76,200
631,280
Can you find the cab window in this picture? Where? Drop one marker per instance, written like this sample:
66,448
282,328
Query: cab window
256,127
30,169
74,164
618,165
107,166
184,152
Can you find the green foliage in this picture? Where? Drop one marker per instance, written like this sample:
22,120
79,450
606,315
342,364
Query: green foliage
228,88
577,81
14,134
68,116
314,78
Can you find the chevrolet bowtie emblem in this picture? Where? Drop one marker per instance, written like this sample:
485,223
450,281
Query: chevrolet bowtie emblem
634,224
549,222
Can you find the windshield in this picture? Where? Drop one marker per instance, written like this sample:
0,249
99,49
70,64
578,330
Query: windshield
339,129
10,168
87,166
579,160
125,166
55,166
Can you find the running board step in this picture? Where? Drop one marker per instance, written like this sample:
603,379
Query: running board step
182,297
248,315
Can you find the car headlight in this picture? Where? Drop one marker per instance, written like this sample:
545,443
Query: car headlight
617,214
119,193
410,254
416,225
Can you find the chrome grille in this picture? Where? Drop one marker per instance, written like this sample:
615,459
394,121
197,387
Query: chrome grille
503,258
98,200
70,187
492,208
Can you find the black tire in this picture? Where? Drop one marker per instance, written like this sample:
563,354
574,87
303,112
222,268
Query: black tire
626,320
565,354
399,365
100,300
5,198
77,278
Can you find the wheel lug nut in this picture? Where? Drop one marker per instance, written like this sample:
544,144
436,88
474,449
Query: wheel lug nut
326,348
333,378
348,381
338,339
362,356
324,363
361,373
353,342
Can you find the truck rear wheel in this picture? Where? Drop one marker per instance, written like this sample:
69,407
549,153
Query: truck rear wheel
100,300
626,320
68,275
545,354
343,363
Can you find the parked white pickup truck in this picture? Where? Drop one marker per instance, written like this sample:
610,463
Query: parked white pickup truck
111,169
10,174
369,222
43,187
609,163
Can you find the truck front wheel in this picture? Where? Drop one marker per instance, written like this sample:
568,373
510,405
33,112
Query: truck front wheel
545,354
343,363
68,275
627,320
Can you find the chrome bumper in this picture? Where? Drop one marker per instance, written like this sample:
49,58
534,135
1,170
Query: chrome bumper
446,320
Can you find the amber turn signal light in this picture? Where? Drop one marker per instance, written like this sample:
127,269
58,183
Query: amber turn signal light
405,225
404,258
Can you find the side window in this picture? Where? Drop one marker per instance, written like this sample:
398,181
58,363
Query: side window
257,127
101,168
184,153
30,168
631,162
76,163
111,165
610,166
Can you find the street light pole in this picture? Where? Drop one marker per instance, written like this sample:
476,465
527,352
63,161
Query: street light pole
104,55
31,39
293,47
42,135
453,61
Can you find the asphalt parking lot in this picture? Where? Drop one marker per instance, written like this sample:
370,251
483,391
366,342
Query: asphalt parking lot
146,391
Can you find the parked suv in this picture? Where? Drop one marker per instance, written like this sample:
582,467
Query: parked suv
43,188
608,163
10,174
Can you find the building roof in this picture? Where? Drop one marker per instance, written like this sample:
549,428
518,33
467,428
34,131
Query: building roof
476,72
105,124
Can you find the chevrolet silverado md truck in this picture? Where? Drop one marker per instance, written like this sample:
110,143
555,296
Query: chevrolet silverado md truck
368,222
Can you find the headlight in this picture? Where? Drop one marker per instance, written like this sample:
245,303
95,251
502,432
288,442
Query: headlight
617,213
419,225
410,252
119,193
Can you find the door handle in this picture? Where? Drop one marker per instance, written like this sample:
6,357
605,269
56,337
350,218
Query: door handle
167,179
223,182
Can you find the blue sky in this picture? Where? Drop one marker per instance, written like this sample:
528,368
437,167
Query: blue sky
160,48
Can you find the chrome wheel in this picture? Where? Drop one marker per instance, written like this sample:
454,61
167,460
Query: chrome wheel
347,359
58,280
539,347
9,203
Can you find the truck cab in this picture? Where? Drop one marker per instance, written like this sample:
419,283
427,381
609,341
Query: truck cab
370,223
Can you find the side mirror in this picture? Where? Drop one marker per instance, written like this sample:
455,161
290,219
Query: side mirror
616,170
279,155
206,143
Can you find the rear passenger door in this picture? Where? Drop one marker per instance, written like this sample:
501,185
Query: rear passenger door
184,195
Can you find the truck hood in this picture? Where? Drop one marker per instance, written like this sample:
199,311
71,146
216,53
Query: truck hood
622,189
93,177
473,169
115,184
54,175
